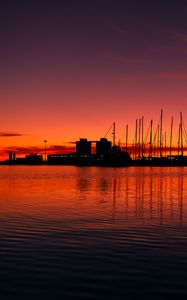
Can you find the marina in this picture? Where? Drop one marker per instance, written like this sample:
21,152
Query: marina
147,148
93,150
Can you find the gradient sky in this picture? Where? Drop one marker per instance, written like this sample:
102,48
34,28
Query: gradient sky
69,69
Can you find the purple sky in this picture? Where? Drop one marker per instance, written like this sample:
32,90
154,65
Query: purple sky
68,69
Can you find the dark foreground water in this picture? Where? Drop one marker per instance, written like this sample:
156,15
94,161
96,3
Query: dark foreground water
93,233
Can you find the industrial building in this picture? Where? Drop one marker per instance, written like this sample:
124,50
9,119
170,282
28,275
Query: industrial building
83,147
103,146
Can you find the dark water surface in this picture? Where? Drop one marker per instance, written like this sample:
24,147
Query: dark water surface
93,233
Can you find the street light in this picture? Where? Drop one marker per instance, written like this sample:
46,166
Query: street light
45,150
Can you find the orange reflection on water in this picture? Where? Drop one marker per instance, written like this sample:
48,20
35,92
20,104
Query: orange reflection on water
100,195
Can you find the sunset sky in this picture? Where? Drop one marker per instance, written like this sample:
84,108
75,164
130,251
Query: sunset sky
69,69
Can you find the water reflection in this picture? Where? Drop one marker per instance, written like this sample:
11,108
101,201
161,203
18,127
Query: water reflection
154,195
108,233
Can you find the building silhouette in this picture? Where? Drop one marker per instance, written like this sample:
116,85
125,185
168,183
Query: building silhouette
83,147
103,146
33,159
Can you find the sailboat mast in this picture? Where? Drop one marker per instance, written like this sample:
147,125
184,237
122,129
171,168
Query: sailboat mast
158,140
181,135
151,139
114,134
165,139
136,134
126,138
161,117
179,139
139,139
171,137
142,136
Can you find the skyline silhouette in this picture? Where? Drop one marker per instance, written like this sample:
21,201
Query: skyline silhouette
151,139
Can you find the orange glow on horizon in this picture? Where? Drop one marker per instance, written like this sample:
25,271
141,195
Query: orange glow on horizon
23,143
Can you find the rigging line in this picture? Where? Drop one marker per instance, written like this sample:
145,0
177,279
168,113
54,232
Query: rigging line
155,135
146,136
108,130
132,145
155,139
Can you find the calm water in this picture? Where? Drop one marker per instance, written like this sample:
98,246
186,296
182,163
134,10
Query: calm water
93,233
